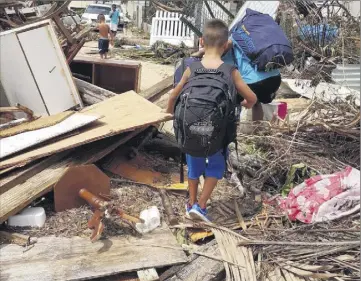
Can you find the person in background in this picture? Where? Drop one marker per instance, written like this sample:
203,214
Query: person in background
104,32
114,21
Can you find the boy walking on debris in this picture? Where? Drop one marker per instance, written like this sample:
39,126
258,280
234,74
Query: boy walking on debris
205,106
104,31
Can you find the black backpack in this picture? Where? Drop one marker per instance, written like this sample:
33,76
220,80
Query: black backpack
207,111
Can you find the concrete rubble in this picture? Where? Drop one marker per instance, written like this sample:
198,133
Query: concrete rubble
84,142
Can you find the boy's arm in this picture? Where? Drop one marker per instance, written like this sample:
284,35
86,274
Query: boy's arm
244,90
177,90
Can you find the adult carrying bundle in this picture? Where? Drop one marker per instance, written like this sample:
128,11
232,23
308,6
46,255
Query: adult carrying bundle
263,41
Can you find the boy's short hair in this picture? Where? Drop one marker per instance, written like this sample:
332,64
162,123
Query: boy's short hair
101,17
114,6
215,33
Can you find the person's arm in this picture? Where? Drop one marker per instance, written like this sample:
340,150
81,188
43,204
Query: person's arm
249,96
177,90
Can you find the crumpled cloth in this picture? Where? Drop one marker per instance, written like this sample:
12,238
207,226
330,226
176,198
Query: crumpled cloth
324,197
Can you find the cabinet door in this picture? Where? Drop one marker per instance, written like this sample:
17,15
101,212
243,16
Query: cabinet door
16,78
49,69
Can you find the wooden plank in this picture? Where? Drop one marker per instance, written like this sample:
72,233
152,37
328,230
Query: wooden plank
56,258
156,91
88,88
111,62
21,176
122,113
14,200
148,275
199,268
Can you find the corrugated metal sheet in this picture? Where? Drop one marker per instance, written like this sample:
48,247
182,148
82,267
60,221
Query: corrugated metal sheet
265,7
347,75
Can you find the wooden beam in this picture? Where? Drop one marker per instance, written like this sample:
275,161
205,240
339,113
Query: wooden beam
24,174
159,89
60,258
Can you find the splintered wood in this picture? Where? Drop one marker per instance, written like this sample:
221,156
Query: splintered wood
239,262
55,258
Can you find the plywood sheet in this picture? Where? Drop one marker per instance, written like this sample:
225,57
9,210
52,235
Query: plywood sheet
62,259
16,143
122,113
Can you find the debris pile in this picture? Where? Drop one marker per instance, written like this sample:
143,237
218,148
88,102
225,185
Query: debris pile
160,52
94,153
323,36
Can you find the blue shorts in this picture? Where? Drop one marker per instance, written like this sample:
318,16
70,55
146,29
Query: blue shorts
103,46
198,166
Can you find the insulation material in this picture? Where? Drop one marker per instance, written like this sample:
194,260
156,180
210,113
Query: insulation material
19,142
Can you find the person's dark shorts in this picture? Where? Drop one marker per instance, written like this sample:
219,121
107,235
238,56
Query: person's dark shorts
103,46
265,90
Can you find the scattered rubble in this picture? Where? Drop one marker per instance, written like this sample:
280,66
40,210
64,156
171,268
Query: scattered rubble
95,180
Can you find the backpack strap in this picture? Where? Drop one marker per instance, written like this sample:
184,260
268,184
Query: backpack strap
194,66
227,70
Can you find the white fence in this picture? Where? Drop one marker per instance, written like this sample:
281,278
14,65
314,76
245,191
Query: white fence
167,27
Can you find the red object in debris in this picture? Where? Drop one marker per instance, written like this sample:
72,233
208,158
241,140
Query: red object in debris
304,201
282,110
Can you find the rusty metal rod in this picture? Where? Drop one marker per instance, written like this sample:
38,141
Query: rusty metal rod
92,199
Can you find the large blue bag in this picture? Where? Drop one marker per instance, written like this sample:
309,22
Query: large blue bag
263,41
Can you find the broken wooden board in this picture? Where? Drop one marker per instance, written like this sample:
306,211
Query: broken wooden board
159,89
19,142
200,268
140,170
62,259
18,197
122,113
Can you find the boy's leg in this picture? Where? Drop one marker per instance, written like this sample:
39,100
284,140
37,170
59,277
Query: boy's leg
214,172
196,167
208,187
193,189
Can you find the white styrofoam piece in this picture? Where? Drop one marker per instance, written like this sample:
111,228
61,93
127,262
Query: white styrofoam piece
33,217
324,91
24,140
151,217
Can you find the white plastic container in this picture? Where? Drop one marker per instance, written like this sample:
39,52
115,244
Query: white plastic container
33,217
151,217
